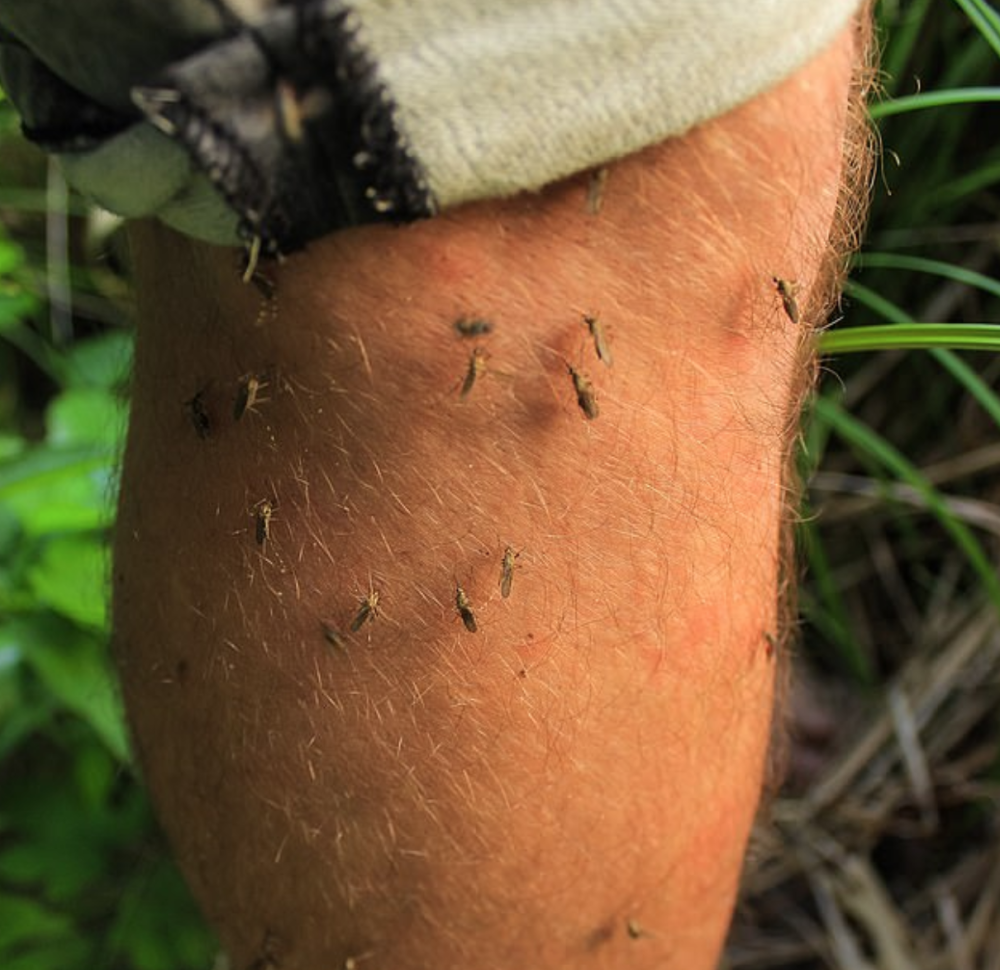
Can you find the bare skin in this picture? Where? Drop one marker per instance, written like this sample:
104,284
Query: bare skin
348,771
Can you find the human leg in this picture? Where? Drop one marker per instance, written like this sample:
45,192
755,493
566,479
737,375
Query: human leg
573,783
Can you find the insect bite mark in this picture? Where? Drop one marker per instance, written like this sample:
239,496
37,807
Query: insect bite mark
464,608
787,290
600,936
585,395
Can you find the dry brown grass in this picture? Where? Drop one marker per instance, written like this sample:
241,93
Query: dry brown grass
890,859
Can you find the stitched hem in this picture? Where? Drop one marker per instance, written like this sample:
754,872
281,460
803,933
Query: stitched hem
291,122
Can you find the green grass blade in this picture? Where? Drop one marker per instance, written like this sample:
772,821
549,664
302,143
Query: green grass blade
873,446
827,612
934,267
933,99
903,34
912,336
939,338
963,186
877,302
972,382
985,19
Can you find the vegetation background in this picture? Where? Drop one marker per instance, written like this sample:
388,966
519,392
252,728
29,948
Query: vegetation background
883,849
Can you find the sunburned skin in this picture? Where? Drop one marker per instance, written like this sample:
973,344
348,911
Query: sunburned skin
573,785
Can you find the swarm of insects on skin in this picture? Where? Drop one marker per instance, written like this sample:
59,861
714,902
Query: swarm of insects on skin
367,612
585,394
476,368
787,290
507,571
468,327
198,414
601,346
248,394
264,512
464,608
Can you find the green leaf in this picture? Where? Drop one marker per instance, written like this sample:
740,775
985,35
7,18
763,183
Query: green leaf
11,256
21,713
103,361
70,577
65,953
23,920
869,443
83,416
964,374
828,613
59,489
986,20
935,267
158,926
95,771
58,841
904,32
75,668
62,857
15,306
11,445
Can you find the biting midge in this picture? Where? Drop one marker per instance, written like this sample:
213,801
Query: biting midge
264,511
507,571
247,395
585,394
200,420
601,346
333,636
269,954
477,366
367,612
472,327
264,285
787,290
464,608
595,189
